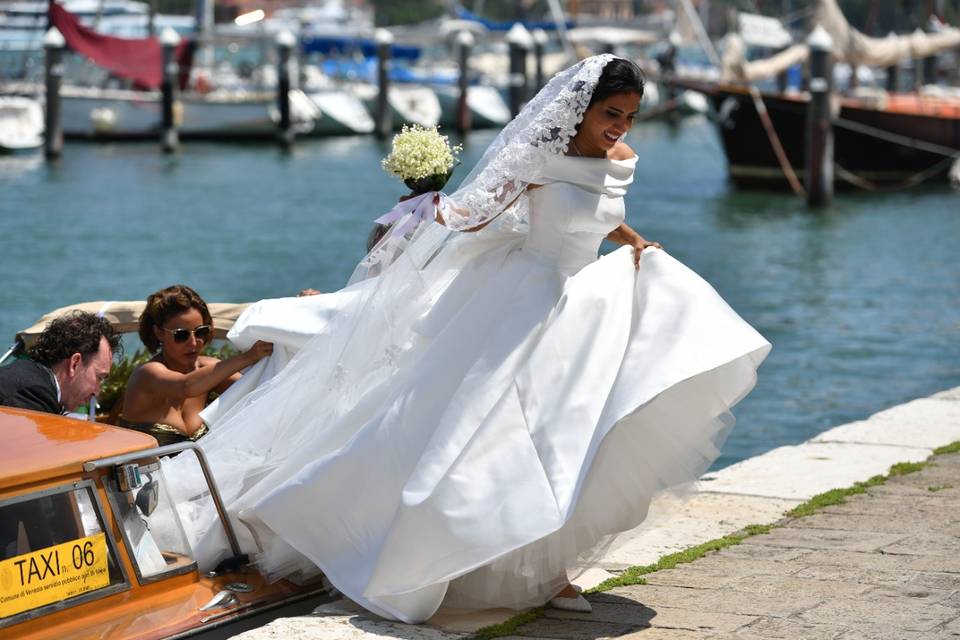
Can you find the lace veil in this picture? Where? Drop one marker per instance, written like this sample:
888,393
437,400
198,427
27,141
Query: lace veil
494,190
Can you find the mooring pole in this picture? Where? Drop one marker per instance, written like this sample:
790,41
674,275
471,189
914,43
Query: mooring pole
383,116
53,44
169,138
520,42
286,41
819,138
893,77
539,43
465,42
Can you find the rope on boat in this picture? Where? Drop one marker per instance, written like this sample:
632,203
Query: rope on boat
785,166
950,155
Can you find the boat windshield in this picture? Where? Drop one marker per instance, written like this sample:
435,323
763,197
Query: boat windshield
148,519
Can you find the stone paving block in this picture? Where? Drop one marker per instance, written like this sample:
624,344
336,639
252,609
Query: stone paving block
885,633
934,580
722,600
714,571
802,471
913,594
574,629
898,614
758,552
825,539
656,633
343,628
944,564
918,502
925,544
632,613
783,629
676,524
798,587
857,560
468,621
870,523
861,576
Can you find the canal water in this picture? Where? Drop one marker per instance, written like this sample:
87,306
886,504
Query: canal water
860,300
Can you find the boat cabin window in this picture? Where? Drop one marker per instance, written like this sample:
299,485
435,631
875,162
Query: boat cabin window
149,522
55,551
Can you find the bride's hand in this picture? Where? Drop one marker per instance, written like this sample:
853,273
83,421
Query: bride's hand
638,246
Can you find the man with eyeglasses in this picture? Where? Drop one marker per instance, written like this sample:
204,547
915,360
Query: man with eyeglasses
66,365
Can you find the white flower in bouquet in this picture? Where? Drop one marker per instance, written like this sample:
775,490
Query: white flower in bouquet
419,153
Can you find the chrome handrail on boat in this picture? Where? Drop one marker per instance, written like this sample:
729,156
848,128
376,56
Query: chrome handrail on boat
155,452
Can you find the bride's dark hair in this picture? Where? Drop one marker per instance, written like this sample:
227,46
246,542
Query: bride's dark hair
619,76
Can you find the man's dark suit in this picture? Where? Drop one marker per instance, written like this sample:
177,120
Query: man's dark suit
28,385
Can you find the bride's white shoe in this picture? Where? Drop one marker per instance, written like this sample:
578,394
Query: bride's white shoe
578,604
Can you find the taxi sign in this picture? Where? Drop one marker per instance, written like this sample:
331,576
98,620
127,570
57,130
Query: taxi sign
53,574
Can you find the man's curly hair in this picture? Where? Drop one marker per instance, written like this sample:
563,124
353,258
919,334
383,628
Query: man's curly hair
75,332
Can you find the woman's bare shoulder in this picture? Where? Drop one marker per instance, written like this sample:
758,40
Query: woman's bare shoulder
621,151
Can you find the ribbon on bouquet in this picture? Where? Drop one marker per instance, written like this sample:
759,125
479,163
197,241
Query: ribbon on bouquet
420,208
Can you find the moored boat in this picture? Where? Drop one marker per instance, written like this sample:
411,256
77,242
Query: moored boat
886,139
21,124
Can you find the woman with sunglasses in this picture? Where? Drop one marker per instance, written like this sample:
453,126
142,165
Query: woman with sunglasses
165,395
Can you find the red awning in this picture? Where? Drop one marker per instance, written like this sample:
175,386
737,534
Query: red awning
140,59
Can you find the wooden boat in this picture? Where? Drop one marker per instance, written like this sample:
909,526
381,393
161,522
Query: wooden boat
879,139
91,546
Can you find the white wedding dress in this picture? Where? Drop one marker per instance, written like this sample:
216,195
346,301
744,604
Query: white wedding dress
471,431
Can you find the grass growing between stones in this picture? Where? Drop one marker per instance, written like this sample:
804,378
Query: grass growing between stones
510,626
953,447
634,575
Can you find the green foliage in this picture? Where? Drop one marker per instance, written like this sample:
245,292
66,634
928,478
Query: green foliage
116,382
832,497
953,447
510,626
939,487
903,468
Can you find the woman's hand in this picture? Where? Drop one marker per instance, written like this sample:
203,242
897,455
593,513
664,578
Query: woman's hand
258,351
308,292
639,245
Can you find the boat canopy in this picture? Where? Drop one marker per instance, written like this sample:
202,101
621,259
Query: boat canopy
124,316
613,35
136,59
849,45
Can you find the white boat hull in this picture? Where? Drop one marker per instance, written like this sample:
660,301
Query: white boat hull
120,114
409,104
21,124
487,107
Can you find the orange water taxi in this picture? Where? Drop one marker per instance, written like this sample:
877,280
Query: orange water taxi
91,545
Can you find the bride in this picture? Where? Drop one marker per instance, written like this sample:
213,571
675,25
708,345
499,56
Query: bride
486,403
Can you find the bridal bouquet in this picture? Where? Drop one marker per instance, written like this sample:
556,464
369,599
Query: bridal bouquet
422,158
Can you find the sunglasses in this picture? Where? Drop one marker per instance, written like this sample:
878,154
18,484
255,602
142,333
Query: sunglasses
201,333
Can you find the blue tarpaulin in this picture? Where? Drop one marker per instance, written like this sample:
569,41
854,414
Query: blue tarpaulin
332,45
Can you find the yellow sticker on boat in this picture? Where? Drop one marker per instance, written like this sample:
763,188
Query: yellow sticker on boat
53,574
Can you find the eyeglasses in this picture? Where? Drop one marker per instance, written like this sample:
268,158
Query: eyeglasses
201,333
